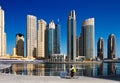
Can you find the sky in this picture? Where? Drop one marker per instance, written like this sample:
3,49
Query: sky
105,12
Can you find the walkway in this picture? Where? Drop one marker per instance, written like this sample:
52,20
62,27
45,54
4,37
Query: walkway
8,78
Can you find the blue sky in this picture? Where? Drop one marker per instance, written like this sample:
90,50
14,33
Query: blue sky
105,12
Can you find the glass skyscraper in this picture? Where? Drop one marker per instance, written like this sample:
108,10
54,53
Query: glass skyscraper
51,38
71,36
87,38
111,46
57,37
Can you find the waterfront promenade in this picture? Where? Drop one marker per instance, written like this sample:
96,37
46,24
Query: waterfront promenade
9,78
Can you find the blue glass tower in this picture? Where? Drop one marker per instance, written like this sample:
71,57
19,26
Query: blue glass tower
57,37
51,38
87,38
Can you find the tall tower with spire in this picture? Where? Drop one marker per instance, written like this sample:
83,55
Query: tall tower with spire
71,36
2,34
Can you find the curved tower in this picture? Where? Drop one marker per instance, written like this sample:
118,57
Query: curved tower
111,46
87,36
20,44
100,49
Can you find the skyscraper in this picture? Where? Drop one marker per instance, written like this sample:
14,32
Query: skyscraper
41,39
87,38
77,46
71,36
31,36
57,37
111,46
51,38
2,34
20,44
100,49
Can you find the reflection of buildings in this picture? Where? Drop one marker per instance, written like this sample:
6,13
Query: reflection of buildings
85,69
54,69
100,49
2,34
28,69
100,70
111,46
111,69
71,36
20,44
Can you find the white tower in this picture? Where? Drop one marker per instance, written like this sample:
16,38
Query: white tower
2,34
31,36
41,39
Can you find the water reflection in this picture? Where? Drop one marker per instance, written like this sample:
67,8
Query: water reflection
111,69
103,69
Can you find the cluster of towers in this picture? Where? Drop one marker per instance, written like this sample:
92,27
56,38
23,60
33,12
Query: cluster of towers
44,41
82,45
111,48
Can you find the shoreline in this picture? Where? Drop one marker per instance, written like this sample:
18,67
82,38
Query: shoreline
10,78
48,62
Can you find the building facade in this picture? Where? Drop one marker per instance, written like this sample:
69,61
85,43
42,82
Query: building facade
51,38
71,36
100,49
111,47
87,38
57,37
57,58
2,34
77,46
31,36
41,39
20,44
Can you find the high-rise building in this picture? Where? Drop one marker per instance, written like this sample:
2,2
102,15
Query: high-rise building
77,46
2,34
31,36
100,49
41,39
57,37
51,38
80,45
71,36
20,44
87,38
111,46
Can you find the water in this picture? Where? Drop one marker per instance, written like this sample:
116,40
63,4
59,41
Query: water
93,70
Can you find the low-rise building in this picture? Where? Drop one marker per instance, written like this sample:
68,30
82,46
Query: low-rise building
57,58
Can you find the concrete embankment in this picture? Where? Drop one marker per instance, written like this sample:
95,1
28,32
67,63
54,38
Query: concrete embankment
9,78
